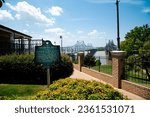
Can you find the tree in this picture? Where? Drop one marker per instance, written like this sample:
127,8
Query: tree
145,55
137,42
89,60
135,39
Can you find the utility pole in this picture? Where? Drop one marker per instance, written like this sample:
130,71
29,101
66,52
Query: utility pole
118,30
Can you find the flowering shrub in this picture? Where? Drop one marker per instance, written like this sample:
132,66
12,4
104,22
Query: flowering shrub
73,89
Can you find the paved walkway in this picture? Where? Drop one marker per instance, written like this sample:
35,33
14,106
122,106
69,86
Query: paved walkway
80,75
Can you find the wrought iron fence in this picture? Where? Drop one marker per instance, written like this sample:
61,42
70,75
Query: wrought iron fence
100,64
137,69
19,46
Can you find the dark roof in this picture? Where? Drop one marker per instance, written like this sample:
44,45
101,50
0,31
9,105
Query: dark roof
17,33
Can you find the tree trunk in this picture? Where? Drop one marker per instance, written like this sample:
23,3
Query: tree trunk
147,73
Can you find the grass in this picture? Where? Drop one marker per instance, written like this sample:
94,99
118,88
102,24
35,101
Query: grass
17,91
138,77
104,68
70,89
108,70
140,82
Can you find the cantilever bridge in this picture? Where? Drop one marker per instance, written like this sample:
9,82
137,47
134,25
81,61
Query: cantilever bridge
78,47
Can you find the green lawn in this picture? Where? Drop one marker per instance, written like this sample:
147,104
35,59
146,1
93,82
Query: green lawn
17,91
141,82
104,68
108,70
137,77
62,89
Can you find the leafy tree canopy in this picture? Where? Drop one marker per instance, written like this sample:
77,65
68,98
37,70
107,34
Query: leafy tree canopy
136,39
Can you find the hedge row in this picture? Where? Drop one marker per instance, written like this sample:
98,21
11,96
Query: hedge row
23,70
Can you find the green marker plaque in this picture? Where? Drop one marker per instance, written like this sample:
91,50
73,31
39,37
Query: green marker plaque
47,54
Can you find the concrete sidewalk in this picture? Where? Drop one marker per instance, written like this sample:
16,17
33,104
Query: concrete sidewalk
80,75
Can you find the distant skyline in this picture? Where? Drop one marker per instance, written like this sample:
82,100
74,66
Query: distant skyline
91,21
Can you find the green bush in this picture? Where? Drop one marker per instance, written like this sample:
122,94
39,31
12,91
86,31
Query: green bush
98,63
16,68
75,89
89,60
63,69
16,58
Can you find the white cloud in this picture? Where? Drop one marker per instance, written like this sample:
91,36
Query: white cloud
95,33
4,14
56,10
26,11
146,10
25,31
95,37
54,30
27,25
80,32
18,16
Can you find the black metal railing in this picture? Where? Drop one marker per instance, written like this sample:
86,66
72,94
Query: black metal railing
137,69
102,64
19,47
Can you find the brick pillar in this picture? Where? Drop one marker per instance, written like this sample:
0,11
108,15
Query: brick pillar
117,67
80,60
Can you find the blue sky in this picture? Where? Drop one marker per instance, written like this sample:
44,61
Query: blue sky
91,21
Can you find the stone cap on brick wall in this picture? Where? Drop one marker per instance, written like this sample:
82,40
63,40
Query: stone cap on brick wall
118,54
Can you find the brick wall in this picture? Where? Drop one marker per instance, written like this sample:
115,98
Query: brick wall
117,75
101,76
136,89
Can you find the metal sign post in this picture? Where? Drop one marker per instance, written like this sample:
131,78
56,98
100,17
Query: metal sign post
47,54
48,77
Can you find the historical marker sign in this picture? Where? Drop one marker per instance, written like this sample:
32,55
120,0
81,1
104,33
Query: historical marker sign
47,54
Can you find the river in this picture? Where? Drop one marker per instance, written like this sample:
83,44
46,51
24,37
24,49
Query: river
103,57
